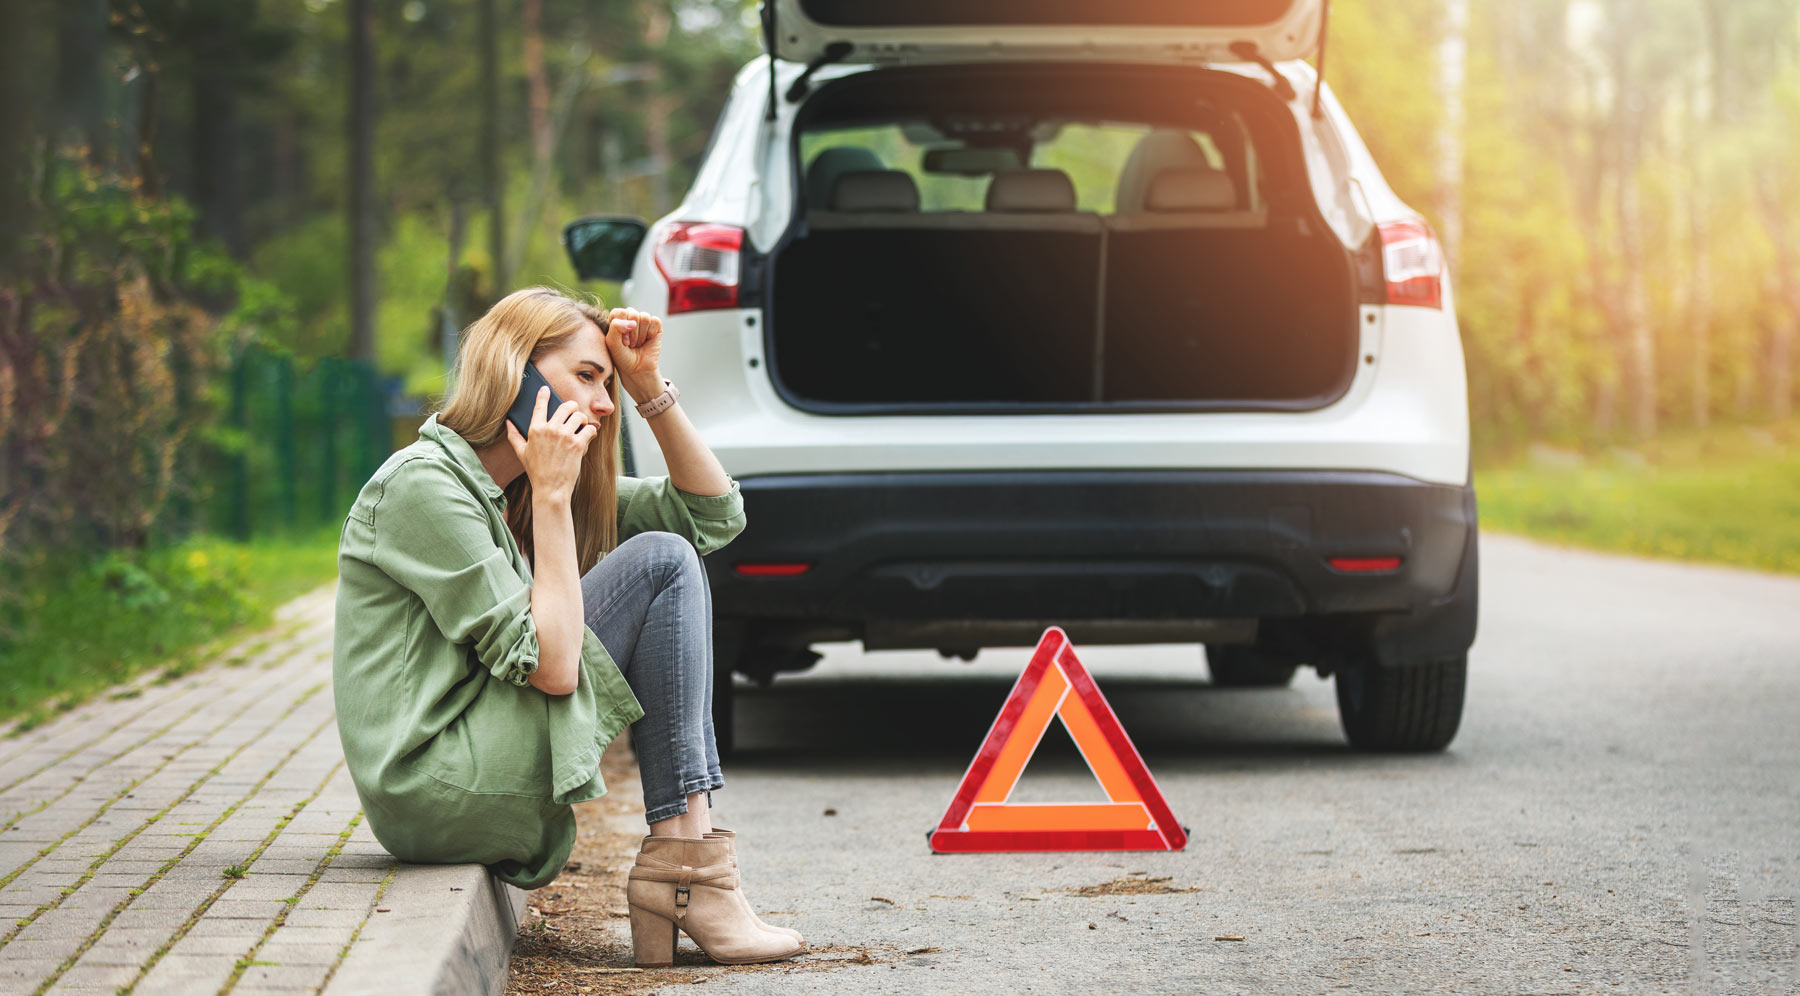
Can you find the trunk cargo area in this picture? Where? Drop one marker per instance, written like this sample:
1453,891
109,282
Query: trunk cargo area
982,311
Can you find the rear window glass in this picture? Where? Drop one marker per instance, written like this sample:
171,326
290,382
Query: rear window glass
952,160
906,13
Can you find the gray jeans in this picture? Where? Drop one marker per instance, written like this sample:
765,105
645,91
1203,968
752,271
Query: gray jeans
650,605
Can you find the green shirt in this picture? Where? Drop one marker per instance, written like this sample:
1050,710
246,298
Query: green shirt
455,756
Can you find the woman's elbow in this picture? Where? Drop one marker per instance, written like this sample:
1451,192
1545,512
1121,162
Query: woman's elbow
555,684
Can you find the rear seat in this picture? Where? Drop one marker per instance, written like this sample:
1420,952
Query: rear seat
1199,300
1017,281
1187,198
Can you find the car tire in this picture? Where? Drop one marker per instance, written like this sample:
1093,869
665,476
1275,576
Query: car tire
1414,707
1237,666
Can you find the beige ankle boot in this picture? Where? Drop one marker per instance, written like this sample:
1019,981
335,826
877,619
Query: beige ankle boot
730,837
690,884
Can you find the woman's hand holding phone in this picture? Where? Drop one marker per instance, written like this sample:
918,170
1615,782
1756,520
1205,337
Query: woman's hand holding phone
557,442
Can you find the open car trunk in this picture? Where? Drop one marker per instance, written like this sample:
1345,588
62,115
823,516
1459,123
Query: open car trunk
1129,299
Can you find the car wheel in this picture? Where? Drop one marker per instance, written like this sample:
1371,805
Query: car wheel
1236,666
1414,707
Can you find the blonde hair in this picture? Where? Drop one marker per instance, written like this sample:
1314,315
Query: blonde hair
490,363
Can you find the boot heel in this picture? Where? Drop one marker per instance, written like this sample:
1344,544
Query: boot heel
652,939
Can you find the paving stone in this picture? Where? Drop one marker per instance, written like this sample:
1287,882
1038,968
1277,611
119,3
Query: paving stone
171,898
57,949
58,923
206,944
289,977
185,976
259,885
337,875
339,895
133,918
226,926
110,950
335,936
238,909
71,868
97,897
382,860
302,917
22,975
107,878
105,977
303,867
300,954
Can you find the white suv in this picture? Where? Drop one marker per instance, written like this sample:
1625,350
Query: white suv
1023,313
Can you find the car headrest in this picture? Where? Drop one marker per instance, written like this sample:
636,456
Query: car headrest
832,163
1031,190
1204,189
874,190
1164,148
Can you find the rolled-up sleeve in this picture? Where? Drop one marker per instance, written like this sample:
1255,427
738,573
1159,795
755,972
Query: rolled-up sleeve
432,536
654,504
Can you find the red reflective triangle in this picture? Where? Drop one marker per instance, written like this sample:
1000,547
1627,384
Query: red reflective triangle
1055,685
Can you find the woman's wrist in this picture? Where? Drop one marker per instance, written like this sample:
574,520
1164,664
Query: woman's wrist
644,388
551,500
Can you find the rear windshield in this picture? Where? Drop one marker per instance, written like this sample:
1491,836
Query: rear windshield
1111,164
908,13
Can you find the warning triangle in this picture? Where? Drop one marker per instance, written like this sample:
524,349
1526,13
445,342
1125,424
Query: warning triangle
1055,685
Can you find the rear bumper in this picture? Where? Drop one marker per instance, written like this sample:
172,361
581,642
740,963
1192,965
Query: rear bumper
957,559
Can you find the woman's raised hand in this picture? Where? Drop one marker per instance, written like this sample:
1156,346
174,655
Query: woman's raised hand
552,454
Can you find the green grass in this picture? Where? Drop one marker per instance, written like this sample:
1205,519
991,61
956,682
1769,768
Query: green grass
1727,495
79,632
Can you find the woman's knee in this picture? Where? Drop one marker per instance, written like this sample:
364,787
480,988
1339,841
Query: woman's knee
665,550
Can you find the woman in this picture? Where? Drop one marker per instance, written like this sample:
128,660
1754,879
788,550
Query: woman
507,604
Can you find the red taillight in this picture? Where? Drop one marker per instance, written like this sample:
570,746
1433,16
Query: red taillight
772,570
1413,264
700,262
1364,565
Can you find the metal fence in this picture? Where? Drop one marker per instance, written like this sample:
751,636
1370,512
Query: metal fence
295,444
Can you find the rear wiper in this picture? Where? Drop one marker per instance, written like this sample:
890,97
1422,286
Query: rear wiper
834,52
1247,50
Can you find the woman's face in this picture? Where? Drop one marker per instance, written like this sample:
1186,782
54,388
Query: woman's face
580,370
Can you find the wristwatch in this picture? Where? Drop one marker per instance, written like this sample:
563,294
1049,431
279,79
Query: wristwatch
662,401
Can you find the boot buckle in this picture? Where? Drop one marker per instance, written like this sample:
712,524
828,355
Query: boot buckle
681,895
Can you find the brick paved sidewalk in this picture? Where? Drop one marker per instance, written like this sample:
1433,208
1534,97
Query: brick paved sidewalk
202,836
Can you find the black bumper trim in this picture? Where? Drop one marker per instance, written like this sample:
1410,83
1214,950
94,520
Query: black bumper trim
1093,544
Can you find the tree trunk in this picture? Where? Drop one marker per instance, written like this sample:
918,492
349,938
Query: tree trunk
491,193
1697,277
657,109
216,187
22,74
1639,353
81,53
1452,60
1780,365
362,180
532,18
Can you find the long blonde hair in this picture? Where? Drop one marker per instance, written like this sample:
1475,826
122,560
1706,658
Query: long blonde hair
521,327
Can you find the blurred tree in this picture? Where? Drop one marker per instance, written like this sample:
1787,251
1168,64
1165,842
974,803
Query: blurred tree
361,197
221,49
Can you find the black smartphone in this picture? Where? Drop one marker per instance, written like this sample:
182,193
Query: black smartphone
526,402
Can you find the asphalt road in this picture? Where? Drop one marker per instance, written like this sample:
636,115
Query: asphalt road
1620,812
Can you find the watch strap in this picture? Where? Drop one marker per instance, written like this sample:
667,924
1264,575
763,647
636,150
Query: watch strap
662,401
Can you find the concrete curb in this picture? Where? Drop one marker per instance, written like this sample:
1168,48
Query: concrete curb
449,932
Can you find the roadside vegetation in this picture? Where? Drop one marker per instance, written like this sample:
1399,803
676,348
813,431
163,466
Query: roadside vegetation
1723,495
84,632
